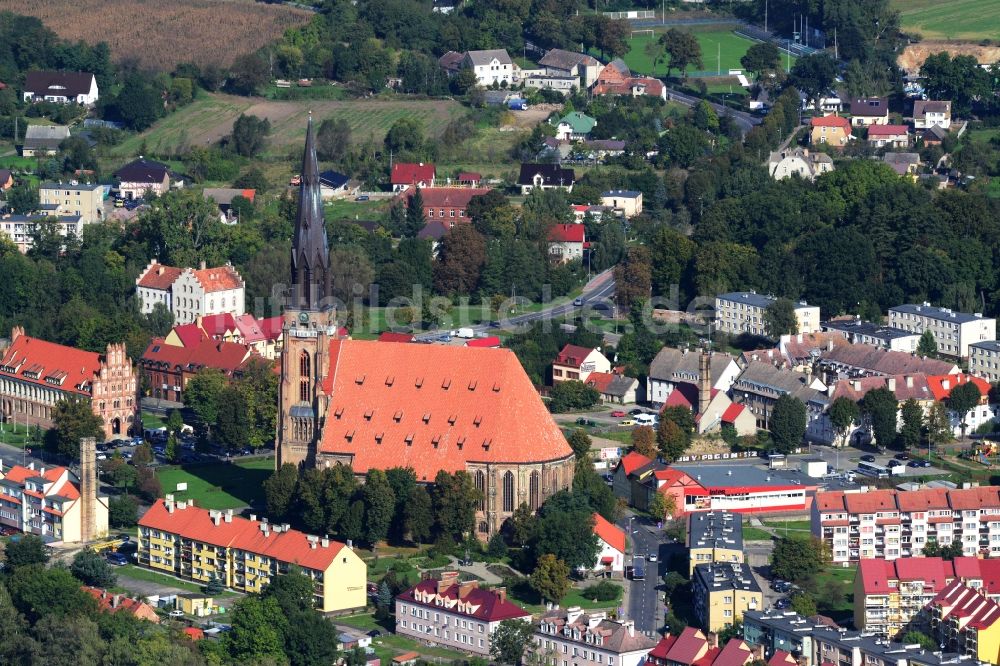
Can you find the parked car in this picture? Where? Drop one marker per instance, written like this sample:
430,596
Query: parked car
363,197
894,463
618,413
176,613
577,302
652,557
782,603
626,422
636,412
903,456
915,463
925,463
117,559
868,458
102,456
585,422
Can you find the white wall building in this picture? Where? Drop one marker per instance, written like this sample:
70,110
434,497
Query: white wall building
984,360
491,66
799,161
191,293
61,87
573,638
743,312
953,331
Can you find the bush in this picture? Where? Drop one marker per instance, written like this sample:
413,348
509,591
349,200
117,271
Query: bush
603,591
122,511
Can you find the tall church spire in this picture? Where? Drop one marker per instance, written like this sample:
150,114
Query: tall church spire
310,249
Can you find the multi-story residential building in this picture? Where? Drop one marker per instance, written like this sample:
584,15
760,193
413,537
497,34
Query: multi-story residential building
743,312
889,136
490,66
21,228
36,374
566,242
866,111
672,368
569,64
953,331
929,113
610,547
575,362
984,360
761,384
262,336
52,502
776,630
890,524
889,594
571,637
445,204
141,176
692,647
876,335
407,175
966,620
61,87
82,200
545,177
722,592
168,368
180,539
628,203
798,161
454,614
714,537
831,130
191,293
857,360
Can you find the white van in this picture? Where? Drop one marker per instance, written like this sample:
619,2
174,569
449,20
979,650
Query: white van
646,419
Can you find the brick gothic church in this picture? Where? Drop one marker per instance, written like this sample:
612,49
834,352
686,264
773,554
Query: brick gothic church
376,405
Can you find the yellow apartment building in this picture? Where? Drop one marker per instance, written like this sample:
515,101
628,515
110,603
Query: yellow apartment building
722,592
714,536
180,539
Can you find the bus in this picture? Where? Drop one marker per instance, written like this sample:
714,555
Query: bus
873,470
638,568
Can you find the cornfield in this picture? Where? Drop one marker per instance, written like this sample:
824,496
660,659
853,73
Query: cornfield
159,34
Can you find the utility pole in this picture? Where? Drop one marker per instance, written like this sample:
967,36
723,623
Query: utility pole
765,15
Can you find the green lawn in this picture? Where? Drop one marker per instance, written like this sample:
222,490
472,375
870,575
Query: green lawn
951,20
755,534
790,525
526,597
219,485
844,579
138,573
17,162
152,421
984,134
17,436
349,209
720,52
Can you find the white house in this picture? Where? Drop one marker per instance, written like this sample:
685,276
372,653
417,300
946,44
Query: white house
566,242
953,331
627,202
610,547
490,66
61,87
142,175
928,113
575,362
191,293
785,163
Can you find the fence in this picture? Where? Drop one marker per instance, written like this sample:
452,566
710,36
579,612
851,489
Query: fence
632,14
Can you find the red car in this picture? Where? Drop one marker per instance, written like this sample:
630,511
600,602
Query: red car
618,413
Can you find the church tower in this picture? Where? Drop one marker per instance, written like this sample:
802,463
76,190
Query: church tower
309,323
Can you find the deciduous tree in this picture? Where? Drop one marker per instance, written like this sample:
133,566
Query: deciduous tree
550,579
844,413
788,423
380,504
249,135
509,640
279,491
962,399
92,569
913,424
72,420
580,442
927,345
780,319
880,405
644,441
681,49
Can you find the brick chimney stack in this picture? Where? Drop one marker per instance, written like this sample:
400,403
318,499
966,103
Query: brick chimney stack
88,488
704,379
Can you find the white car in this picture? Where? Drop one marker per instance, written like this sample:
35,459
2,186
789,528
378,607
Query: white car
176,613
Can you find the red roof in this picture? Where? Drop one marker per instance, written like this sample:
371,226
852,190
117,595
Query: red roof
48,364
271,327
567,233
735,653
194,633
469,177
633,460
483,605
433,408
189,334
600,380
110,602
688,647
490,342
158,276
218,325
941,385
445,197
220,278
781,658
250,329
923,500
832,121
677,399
871,502
196,523
573,356
887,130
225,356
732,412
984,497
609,533
663,647
390,336
407,173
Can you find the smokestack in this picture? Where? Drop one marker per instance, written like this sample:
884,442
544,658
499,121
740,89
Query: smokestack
704,380
88,489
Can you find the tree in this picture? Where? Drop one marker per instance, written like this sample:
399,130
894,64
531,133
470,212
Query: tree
67,641
761,58
681,49
927,345
455,500
142,456
963,399
28,550
405,135
780,319
72,420
572,395
333,140
938,425
914,637
550,579
38,591
671,439
415,219
644,441
172,450
175,421
662,506
705,117
22,198
138,104
795,559
566,530
419,515
633,278
258,626
247,74
913,424
844,413
788,423
249,135
202,394
523,525
880,406
580,442
497,546
508,641
380,504
123,511
231,426
311,640
460,260
804,604
92,569
279,491
214,586
813,75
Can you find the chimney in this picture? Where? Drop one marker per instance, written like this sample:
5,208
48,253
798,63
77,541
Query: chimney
798,338
890,384
909,381
712,639
170,506
115,600
629,626
856,384
216,517
88,489
946,384
704,380
573,613
829,344
202,265
501,593
466,587
448,578
325,543
229,515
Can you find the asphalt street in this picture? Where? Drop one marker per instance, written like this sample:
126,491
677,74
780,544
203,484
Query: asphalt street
645,601
746,121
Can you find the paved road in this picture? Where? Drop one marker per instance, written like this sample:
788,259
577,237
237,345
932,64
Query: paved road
745,121
645,599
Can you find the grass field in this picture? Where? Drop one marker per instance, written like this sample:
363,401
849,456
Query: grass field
219,485
842,578
720,51
953,20
211,117
755,534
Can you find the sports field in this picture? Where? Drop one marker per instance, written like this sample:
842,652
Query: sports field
721,50
950,19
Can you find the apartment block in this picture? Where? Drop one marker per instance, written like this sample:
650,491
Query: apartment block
454,614
889,595
966,620
76,199
743,312
984,360
890,524
48,502
179,539
722,592
953,331
571,637
714,537
692,647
